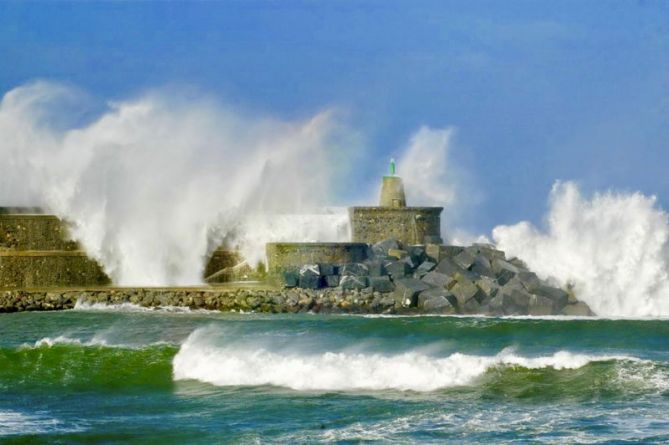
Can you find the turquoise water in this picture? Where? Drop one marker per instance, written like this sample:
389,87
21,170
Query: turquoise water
131,376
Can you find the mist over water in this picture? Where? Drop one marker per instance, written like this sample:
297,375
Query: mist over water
613,248
153,184
150,186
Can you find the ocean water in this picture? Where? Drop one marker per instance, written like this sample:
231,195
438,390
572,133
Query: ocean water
126,375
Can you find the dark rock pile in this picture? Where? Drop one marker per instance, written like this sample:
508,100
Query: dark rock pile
443,279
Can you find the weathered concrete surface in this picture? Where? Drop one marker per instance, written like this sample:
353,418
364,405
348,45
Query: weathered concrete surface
409,225
49,268
33,232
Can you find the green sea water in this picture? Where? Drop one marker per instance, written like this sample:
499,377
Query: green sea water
126,375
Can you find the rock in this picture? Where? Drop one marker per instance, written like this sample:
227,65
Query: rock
530,280
516,299
381,248
464,290
354,269
437,279
397,253
452,251
425,267
398,269
520,264
448,267
376,268
465,259
436,300
579,309
504,271
489,286
353,282
327,269
310,276
407,290
433,252
291,278
559,297
539,305
332,280
482,266
417,254
382,284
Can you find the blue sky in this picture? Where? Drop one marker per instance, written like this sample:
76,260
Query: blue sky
538,90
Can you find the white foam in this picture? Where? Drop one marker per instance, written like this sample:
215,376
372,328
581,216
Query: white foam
155,183
612,248
17,423
244,365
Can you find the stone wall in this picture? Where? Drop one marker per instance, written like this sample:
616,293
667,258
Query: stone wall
33,232
409,225
284,256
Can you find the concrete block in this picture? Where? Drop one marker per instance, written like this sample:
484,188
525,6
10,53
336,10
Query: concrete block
464,290
398,269
482,266
530,281
559,297
438,279
417,254
504,271
452,251
426,266
350,282
310,276
355,269
381,248
291,278
407,290
332,280
579,309
539,305
397,253
376,268
327,269
448,267
381,284
465,259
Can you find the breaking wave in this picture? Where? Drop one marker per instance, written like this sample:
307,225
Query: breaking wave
613,249
239,365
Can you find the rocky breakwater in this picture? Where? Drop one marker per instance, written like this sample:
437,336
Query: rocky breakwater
443,279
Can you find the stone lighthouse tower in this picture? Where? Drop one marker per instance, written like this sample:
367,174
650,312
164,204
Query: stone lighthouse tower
393,219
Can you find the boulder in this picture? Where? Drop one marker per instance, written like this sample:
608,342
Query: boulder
398,269
539,305
376,268
504,270
482,266
332,280
520,264
291,278
327,269
350,282
381,248
464,290
381,284
433,252
530,280
489,286
407,290
559,297
354,269
417,254
436,300
448,267
310,276
516,299
397,253
465,259
579,309
437,279
425,267
452,251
